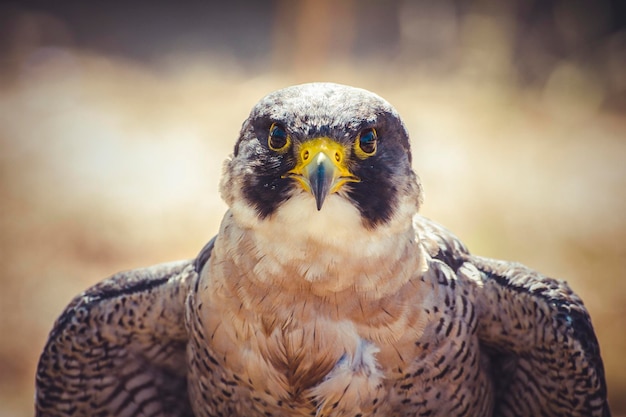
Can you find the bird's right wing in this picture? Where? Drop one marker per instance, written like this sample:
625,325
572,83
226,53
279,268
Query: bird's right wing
118,349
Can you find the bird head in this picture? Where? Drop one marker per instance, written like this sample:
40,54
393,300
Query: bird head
326,145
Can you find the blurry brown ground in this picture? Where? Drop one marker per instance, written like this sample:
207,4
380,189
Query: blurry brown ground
114,124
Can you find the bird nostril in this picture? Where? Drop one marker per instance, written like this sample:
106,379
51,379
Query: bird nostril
337,157
305,155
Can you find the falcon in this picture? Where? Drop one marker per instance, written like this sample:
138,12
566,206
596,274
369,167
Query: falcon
324,293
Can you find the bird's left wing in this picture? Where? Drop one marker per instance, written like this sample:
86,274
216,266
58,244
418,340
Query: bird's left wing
118,349
545,357
545,354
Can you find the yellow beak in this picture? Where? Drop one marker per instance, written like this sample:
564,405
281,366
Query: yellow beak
321,168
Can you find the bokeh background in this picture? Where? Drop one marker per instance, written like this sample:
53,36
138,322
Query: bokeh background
115,118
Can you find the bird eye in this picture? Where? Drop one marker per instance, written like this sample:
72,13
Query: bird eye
278,139
365,144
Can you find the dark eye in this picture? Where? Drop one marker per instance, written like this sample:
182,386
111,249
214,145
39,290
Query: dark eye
278,139
366,142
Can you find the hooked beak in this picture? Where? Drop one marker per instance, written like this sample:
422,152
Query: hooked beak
321,168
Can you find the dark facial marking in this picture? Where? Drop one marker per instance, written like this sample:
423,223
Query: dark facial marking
263,185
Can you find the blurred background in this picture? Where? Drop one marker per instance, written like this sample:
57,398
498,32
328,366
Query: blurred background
115,118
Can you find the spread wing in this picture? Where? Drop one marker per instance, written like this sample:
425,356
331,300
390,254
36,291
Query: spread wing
544,353
118,349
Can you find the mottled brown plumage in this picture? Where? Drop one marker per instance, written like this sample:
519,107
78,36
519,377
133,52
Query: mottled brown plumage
358,308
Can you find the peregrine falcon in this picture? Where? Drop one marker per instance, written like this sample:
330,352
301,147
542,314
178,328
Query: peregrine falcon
324,293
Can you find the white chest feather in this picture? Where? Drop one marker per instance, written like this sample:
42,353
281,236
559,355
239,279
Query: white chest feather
331,249
326,364
353,384
300,304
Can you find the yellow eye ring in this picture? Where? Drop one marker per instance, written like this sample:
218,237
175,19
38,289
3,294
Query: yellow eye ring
366,143
278,140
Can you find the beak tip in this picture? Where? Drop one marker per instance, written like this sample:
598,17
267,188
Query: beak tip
319,200
321,179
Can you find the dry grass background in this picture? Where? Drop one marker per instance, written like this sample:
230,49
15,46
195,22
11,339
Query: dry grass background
109,162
